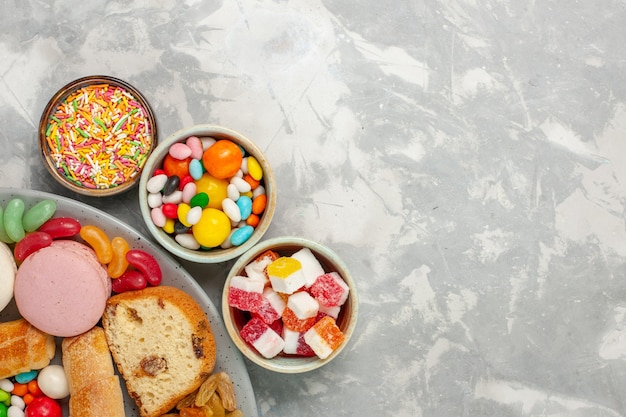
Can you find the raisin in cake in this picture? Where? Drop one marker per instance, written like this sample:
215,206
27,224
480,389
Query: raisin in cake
162,344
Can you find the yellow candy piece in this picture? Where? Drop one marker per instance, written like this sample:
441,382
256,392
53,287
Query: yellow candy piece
215,188
212,229
254,168
169,226
181,212
283,267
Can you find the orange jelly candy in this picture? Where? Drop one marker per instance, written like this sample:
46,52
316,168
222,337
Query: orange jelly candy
328,330
222,159
292,322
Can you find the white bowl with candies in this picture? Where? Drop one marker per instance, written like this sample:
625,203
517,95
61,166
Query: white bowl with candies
290,305
207,194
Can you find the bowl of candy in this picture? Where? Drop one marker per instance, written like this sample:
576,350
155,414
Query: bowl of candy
207,194
96,134
290,305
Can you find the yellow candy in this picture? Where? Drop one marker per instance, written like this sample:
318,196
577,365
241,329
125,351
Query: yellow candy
254,168
169,226
215,188
283,267
181,212
286,275
212,229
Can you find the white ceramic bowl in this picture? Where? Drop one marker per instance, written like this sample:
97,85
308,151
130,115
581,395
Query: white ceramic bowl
235,319
216,254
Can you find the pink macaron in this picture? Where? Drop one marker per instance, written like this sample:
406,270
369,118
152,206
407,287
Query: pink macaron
62,289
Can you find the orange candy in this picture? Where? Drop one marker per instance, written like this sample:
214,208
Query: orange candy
259,203
253,183
292,322
329,332
252,220
222,159
28,398
173,166
33,388
19,389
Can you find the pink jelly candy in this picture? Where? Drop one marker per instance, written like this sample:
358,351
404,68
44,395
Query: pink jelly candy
265,340
245,293
271,306
330,290
295,344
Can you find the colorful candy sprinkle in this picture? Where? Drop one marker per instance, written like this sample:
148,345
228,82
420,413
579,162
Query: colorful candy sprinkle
99,137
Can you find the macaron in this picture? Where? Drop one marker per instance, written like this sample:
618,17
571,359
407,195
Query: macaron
8,268
62,289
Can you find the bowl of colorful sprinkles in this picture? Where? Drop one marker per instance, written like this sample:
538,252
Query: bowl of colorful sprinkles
96,134
207,194
290,305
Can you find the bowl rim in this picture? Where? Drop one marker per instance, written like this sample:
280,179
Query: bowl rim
295,364
215,255
61,95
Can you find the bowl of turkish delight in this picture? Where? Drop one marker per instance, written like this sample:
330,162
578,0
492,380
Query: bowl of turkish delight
290,304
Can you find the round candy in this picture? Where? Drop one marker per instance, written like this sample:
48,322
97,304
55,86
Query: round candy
222,159
173,166
215,188
43,407
212,229
53,382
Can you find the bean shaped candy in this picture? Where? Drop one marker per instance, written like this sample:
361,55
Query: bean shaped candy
258,204
3,233
99,241
31,243
38,215
253,220
13,219
254,168
241,235
146,264
195,144
60,227
118,263
129,281
156,183
245,206
179,151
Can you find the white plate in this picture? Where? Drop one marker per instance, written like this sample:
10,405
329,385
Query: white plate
228,357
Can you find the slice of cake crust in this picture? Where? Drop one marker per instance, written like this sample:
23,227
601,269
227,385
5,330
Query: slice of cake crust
162,345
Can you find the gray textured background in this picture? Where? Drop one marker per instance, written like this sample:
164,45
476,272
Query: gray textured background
465,158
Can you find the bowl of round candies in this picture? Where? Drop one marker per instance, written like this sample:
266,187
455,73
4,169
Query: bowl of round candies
290,305
96,134
207,194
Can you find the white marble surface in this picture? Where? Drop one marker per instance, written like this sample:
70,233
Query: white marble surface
465,158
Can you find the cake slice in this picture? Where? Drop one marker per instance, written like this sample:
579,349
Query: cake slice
162,345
